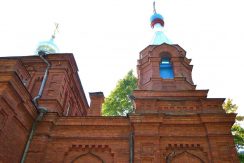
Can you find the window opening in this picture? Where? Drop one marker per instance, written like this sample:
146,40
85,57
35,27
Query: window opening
166,69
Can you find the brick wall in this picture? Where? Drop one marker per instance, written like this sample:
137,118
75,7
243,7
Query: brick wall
16,110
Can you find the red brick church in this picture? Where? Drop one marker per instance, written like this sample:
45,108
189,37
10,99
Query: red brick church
45,116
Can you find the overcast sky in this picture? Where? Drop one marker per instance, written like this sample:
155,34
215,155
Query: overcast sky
106,37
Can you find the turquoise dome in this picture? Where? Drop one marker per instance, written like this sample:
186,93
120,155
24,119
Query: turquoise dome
47,46
156,16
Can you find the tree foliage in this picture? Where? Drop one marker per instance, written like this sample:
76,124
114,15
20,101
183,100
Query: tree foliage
118,102
237,130
229,107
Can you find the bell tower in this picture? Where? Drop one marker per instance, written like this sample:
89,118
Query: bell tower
165,82
172,120
164,67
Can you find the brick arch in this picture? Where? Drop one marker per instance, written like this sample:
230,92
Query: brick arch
88,157
165,48
165,54
78,153
184,156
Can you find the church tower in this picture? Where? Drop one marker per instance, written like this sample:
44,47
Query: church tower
177,122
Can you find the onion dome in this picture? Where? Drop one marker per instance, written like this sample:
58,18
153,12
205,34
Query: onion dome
156,18
47,47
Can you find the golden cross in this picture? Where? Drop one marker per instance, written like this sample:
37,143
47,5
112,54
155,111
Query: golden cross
55,30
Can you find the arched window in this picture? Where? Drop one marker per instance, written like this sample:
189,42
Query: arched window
166,69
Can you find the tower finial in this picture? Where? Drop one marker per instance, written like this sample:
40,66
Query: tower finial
154,7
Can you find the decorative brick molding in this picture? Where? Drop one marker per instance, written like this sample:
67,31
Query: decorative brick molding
190,152
86,152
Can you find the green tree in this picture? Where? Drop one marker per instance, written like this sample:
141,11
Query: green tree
118,102
237,130
229,107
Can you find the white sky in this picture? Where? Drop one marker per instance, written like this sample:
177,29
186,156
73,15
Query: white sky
106,37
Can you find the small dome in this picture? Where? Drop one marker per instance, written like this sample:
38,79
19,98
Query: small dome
47,46
156,18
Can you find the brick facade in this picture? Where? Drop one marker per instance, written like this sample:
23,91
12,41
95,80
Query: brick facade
172,122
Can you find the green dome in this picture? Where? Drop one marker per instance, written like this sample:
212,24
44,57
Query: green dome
48,47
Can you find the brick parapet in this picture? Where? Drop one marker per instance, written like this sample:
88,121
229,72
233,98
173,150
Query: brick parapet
87,120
